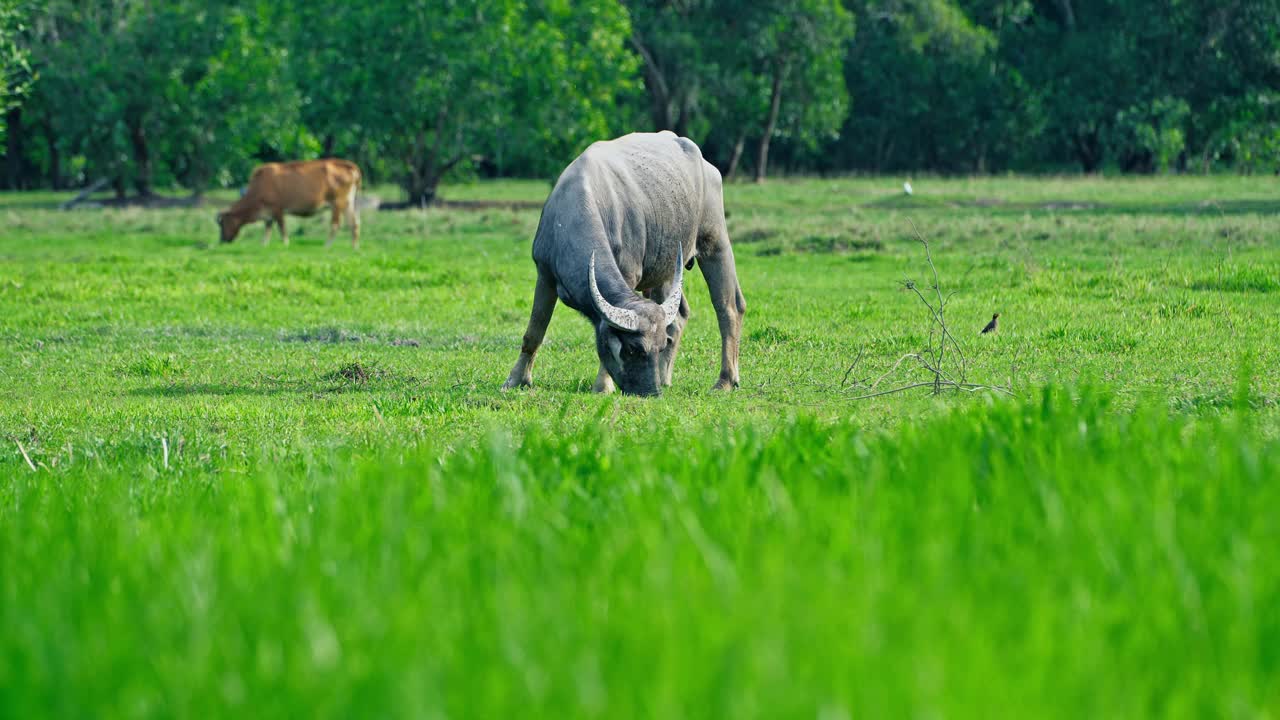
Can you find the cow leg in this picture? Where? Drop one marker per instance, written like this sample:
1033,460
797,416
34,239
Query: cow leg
353,218
266,238
335,219
675,331
722,280
284,232
604,382
544,303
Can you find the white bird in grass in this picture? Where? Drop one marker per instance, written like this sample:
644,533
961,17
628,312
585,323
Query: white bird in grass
906,187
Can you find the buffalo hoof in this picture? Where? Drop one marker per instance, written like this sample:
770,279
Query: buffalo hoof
512,384
725,384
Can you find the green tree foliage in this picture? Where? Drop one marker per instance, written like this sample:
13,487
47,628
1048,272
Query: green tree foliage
153,93
1142,85
681,45
419,89
575,86
234,98
929,90
963,85
179,91
14,70
800,50
735,70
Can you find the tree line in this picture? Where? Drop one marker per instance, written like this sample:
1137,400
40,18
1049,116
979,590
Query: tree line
192,93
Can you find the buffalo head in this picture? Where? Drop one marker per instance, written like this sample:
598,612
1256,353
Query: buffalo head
630,340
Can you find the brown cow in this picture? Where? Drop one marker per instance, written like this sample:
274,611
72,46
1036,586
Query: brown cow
298,188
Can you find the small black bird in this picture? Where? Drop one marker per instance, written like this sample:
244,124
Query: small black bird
991,326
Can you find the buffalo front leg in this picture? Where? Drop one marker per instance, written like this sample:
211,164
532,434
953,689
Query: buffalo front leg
604,382
266,237
353,217
544,303
722,280
667,359
284,232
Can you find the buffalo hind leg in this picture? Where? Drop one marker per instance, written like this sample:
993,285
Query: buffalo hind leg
544,303
722,280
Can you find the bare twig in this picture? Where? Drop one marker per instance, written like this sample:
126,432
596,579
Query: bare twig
856,360
894,390
933,357
966,387
970,387
939,373
895,367
940,376
25,456
942,303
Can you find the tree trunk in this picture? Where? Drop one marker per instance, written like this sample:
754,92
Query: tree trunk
13,152
684,117
775,101
737,155
655,86
55,158
881,134
118,184
198,180
659,111
141,159
1068,14
327,149
1088,152
421,184
422,192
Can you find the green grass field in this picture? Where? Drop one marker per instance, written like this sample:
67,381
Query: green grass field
282,482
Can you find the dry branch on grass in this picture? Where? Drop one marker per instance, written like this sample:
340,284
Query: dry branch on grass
84,194
933,358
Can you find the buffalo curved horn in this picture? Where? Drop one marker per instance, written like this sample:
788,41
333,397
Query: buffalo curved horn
620,318
671,306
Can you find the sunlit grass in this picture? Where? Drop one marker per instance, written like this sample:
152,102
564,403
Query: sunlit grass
282,481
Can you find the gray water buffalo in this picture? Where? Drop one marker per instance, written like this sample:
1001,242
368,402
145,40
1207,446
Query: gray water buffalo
628,217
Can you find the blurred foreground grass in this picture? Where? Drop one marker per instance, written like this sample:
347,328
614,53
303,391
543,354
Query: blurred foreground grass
1040,558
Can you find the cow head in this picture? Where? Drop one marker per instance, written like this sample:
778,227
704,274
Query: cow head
230,226
630,340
